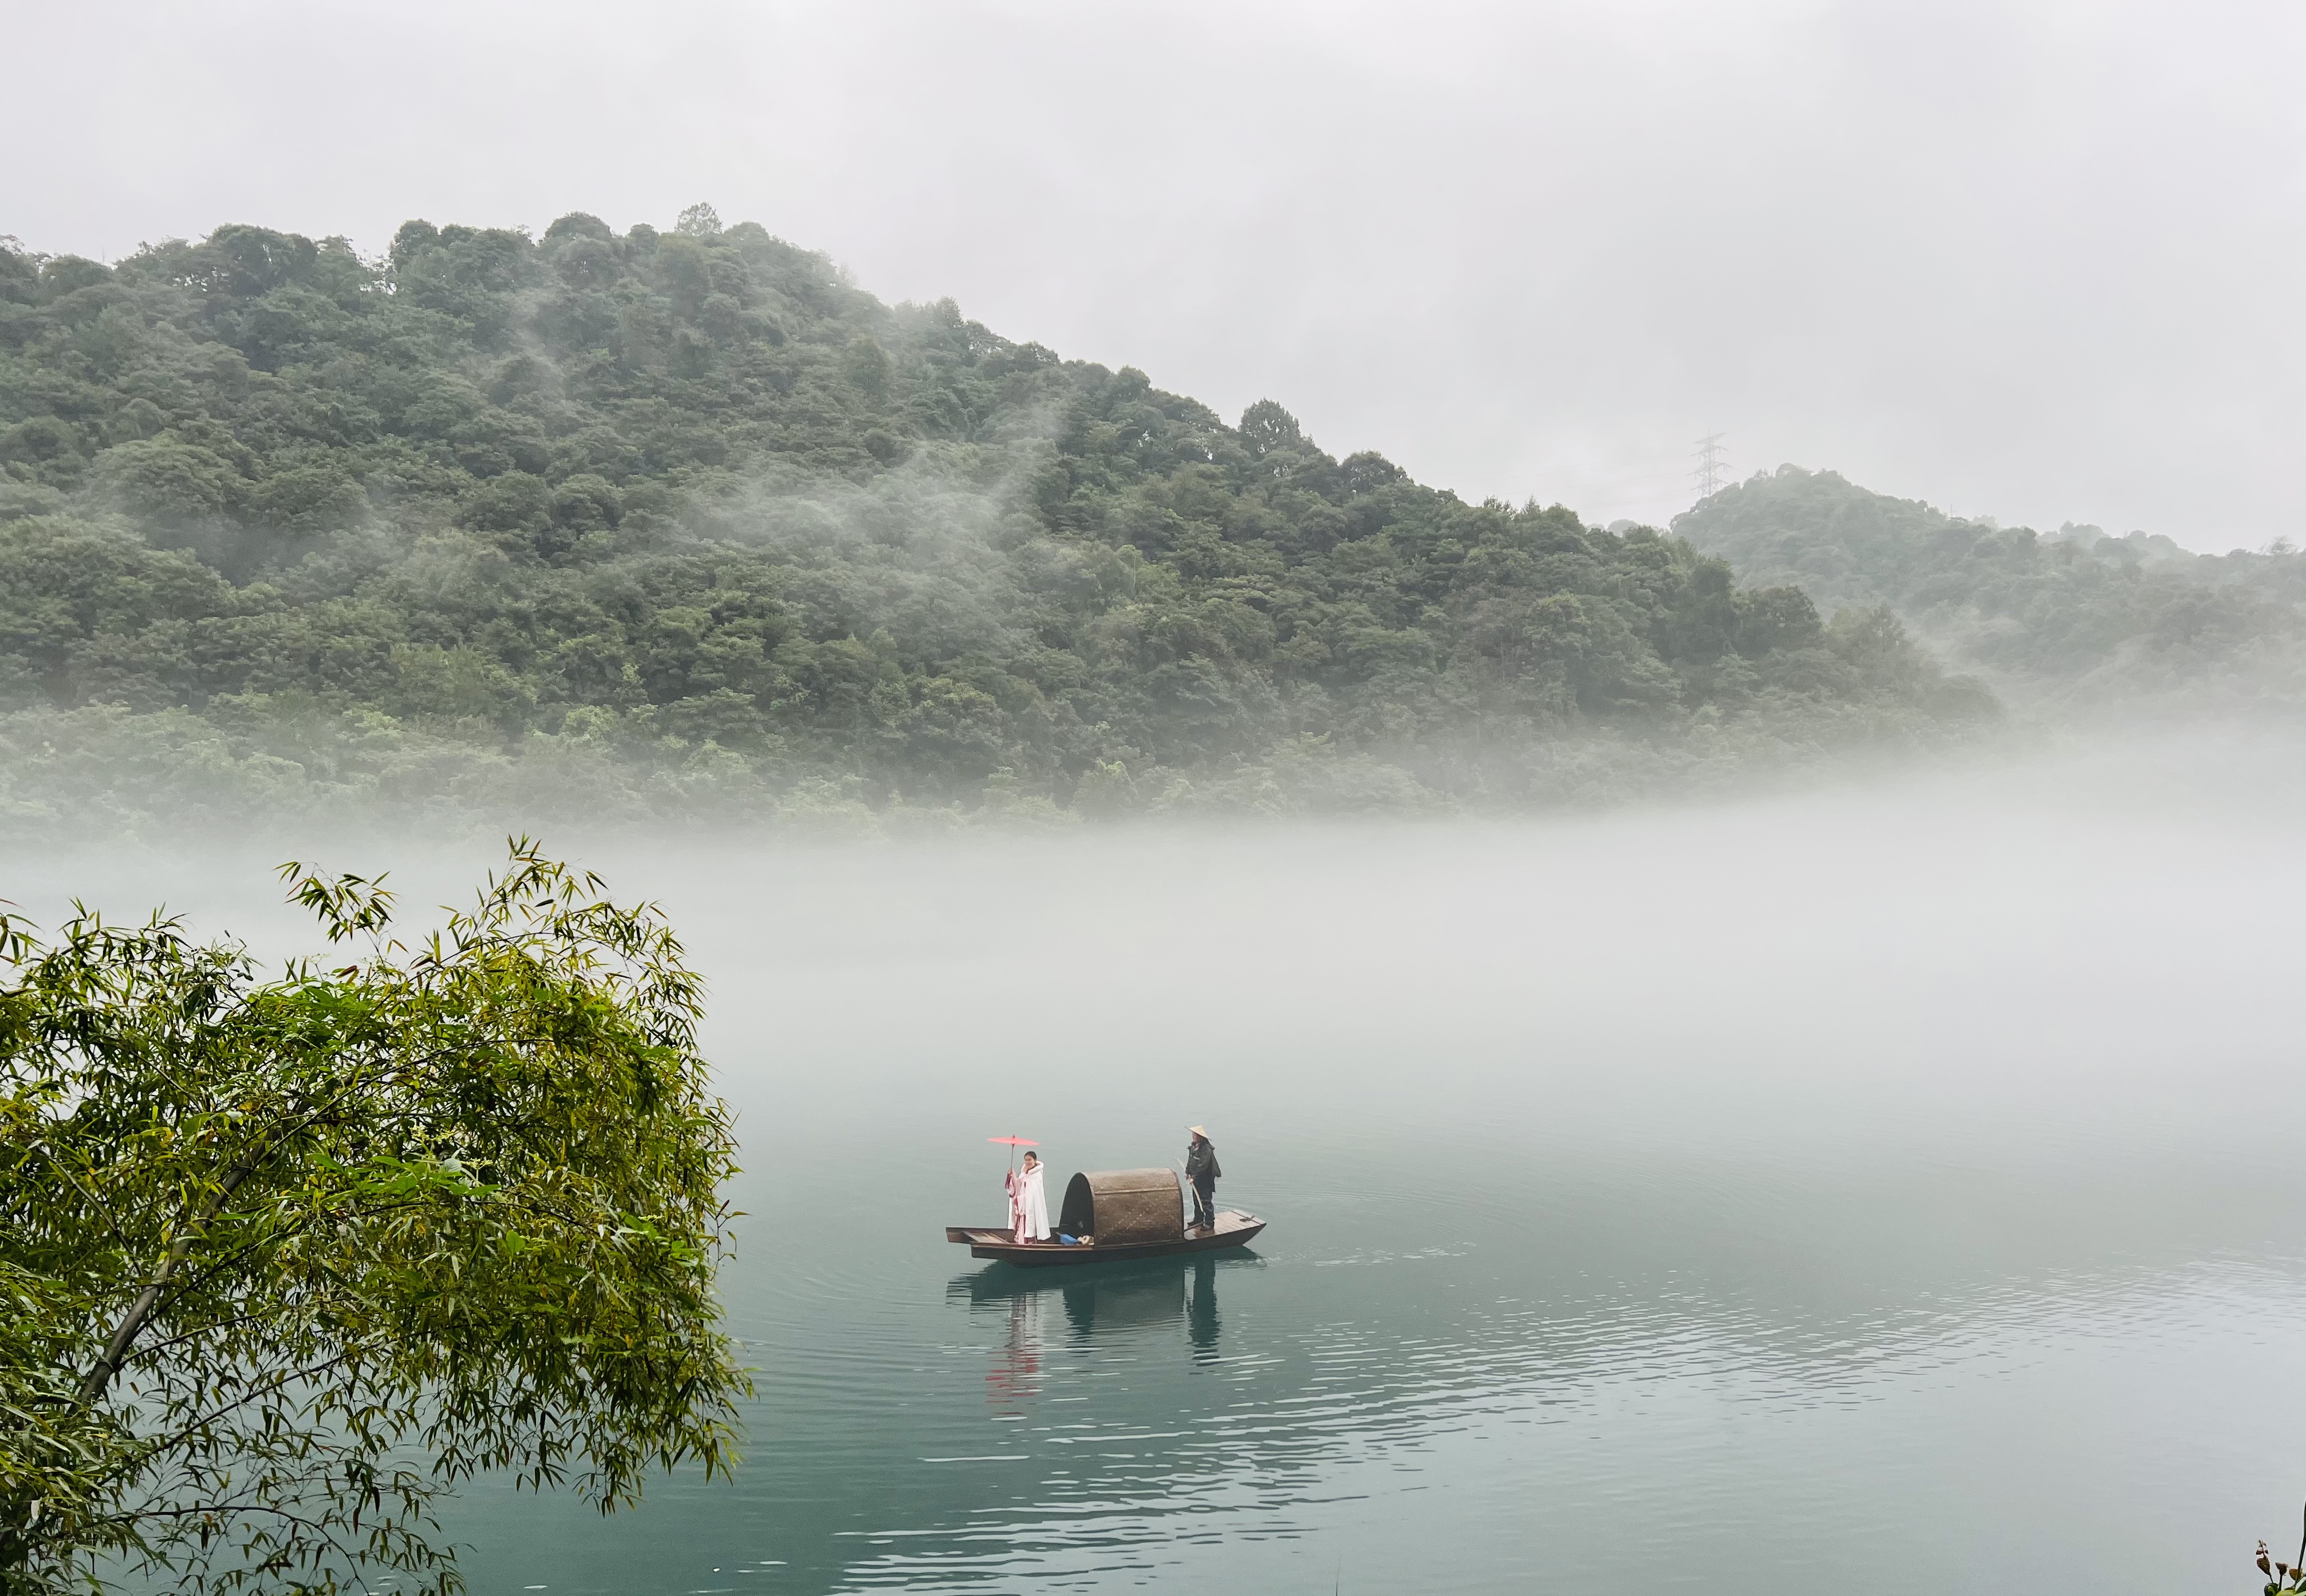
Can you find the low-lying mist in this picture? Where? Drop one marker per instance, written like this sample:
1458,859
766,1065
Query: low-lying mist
2036,956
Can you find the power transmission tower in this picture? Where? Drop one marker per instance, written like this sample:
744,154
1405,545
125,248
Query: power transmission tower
1712,471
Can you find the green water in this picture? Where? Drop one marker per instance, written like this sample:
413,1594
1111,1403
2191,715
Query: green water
1889,1193
1608,1378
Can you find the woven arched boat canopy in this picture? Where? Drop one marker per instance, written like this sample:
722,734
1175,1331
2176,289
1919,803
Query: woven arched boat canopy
1124,1205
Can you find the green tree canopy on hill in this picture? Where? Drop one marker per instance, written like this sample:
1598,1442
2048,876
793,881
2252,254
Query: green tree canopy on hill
2139,613
692,505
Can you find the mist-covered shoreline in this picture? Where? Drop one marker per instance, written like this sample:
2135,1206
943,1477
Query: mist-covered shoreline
678,525
685,530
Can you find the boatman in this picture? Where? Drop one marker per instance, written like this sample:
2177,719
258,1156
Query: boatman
1202,1169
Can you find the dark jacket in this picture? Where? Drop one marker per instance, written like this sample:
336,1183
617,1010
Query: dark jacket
1201,1162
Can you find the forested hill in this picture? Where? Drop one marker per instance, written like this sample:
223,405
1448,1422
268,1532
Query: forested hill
676,524
2071,615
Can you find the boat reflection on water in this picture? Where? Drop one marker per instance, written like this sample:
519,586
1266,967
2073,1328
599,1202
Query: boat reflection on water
1116,1300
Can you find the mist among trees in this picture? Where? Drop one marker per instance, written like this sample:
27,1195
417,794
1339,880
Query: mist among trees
2071,621
685,523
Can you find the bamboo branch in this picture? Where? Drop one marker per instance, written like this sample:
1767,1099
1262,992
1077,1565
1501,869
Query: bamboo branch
140,1312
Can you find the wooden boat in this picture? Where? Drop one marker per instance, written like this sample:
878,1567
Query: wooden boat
1234,1229
1127,1213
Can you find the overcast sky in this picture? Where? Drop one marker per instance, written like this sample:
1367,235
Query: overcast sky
2043,262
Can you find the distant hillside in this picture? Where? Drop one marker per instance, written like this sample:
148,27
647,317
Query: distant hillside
670,525
2070,616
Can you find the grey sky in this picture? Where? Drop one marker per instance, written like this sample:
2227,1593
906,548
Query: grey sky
2038,261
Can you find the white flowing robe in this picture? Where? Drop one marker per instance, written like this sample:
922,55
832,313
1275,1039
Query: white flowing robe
1032,1208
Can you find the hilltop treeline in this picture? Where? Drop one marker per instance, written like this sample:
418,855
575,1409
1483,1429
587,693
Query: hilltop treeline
650,523
2073,616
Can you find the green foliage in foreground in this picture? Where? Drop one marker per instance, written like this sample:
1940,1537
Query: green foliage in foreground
689,515
282,1260
2073,612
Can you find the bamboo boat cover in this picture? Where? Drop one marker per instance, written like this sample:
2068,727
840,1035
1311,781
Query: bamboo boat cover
1120,1206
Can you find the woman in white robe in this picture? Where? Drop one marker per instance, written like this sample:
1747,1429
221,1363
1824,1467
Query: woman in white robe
1031,1207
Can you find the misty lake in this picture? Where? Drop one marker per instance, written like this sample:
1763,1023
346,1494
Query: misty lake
1895,1189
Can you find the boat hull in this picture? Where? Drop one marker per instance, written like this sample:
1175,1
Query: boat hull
1233,1229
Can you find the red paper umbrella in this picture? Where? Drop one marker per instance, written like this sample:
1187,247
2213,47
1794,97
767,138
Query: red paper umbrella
1012,1143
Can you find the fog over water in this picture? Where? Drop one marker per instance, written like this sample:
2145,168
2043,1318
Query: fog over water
1891,1185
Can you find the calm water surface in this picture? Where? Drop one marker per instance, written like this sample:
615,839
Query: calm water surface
1895,1192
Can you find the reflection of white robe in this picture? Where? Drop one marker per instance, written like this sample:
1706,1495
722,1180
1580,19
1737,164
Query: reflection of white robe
1032,1208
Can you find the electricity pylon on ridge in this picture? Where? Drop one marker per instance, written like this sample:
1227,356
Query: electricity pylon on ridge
1712,471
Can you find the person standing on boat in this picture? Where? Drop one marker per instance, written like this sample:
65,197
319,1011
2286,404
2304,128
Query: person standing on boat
1202,1169
1031,1208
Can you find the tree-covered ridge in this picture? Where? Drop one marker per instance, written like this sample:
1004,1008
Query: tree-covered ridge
2049,612
691,510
